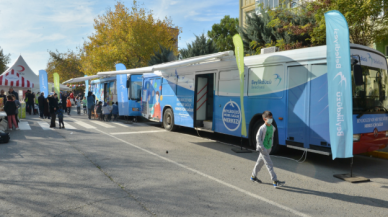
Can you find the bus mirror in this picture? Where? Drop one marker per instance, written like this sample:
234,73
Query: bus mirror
128,82
358,75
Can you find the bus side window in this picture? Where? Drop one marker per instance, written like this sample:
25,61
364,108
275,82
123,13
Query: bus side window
229,83
169,86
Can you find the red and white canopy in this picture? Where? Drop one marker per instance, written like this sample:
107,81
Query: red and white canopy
13,79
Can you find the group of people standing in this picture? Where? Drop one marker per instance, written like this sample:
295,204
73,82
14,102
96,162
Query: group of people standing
11,106
103,110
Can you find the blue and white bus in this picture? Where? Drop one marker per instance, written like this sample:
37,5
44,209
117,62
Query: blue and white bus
204,93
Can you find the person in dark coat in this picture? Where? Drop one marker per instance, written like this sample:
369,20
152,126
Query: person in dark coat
64,98
30,102
10,109
12,92
46,109
53,103
41,104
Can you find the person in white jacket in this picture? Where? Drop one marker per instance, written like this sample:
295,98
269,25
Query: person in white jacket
264,142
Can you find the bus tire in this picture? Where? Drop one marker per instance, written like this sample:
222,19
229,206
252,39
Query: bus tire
252,138
168,120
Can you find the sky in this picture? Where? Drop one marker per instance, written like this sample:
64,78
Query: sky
33,27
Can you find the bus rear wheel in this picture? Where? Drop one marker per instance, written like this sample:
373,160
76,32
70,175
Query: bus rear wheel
252,139
168,120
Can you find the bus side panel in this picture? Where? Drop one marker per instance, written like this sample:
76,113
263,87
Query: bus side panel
319,111
150,102
183,104
227,112
257,105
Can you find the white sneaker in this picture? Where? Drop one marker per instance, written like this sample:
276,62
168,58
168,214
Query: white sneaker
9,129
18,128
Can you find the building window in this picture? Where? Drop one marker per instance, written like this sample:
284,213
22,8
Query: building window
267,3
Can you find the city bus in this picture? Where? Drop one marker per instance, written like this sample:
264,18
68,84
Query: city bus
105,89
204,94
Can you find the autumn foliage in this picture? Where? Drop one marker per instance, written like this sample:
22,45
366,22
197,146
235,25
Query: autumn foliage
128,36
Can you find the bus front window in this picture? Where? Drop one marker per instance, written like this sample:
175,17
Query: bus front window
135,93
370,96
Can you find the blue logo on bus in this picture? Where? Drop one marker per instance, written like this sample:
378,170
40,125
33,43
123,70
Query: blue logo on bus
231,116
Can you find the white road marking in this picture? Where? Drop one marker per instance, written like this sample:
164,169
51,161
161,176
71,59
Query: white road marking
87,126
67,125
23,125
210,177
151,131
103,124
44,125
213,178
120,124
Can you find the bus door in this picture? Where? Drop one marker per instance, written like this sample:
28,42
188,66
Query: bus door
204,101
298,110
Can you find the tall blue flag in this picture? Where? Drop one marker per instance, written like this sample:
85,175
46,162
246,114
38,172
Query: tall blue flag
86,86
122,92
340,85
43,85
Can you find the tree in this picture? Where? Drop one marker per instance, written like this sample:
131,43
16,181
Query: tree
367,20
222,33
200,46
280,27
4,60
162,55
292,26
128,36
67,65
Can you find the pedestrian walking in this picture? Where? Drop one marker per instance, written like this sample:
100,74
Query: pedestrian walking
41,103
99,110
264,142
18,105
72,96
12,92
29,99
78,105
106,111
115,110
53,103
68,105
84,103
60,117
64,99
90,103
10,108
46,108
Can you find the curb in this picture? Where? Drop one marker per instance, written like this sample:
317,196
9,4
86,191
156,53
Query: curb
377,154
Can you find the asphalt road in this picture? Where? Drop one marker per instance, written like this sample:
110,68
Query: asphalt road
95,168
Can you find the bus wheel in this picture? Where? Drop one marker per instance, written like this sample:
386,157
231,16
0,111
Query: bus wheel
168,120
252,139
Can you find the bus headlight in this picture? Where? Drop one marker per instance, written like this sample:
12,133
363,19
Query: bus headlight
386,133
356,137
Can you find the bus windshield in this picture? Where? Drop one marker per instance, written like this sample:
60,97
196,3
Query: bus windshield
135,93
371,95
